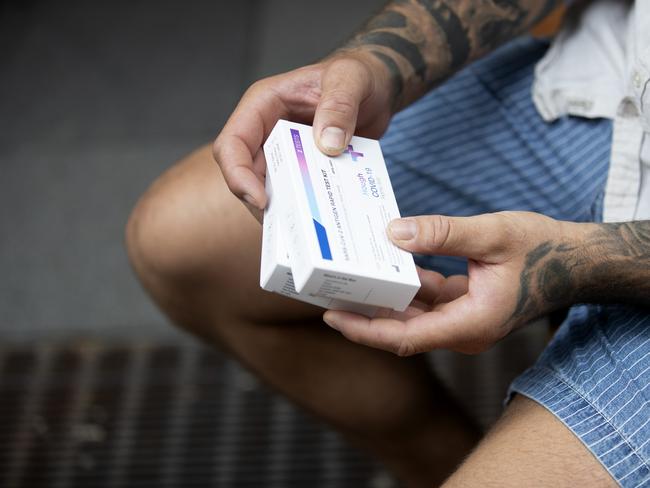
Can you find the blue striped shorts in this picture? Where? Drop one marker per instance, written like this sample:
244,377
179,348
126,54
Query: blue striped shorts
477,144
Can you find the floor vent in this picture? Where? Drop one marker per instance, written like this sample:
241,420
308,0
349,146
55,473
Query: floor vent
94,415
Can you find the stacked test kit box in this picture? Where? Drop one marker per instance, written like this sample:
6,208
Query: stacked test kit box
324,238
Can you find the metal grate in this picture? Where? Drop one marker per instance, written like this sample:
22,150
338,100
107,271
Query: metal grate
94,415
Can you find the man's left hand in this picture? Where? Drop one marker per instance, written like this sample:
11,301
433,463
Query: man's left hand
520,268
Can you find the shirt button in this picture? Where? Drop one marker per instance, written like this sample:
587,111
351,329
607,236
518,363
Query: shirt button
637,79
627,109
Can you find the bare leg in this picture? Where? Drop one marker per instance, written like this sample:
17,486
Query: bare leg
196,250
530,447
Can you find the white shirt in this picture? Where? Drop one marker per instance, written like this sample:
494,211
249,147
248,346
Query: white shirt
602,69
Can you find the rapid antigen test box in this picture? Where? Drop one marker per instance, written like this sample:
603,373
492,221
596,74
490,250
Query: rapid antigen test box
275,270
332,214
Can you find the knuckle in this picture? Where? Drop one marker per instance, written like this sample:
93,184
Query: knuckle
257,86
508,225
438,232
512,235
339,102
216,150
257,90
405,348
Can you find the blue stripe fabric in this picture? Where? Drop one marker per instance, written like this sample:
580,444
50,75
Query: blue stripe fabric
477,144
595,376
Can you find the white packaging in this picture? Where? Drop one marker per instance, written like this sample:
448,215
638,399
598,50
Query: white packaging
332,214
275,270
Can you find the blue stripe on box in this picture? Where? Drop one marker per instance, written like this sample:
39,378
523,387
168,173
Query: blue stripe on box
324,244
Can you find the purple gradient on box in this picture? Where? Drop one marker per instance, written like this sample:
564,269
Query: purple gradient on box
321,233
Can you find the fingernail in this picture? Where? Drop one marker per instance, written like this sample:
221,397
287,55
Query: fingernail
327,318
250,200
402,229
332,138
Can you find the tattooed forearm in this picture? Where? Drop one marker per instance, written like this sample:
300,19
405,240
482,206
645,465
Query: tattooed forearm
546,282
422,42
620,265
611,264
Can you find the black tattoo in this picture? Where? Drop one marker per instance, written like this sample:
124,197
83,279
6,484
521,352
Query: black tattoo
620,265
537,280
555,281
612,265
423,42
455,33
398,84
389,18
405,47
538,253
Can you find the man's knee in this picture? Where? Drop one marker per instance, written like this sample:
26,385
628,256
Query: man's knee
150,241
173,233
157,239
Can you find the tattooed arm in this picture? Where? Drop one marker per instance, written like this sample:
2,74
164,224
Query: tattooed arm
522,266
401,53
605,263
422,42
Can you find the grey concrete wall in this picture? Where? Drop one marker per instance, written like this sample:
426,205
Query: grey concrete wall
96,100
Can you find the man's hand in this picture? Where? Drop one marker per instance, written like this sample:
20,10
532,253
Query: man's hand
521,266
401,53
347,93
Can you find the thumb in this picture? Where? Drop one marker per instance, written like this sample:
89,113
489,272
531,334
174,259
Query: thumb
481,238
345,84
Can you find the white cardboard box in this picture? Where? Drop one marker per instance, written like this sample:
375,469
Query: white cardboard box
275,270
332,214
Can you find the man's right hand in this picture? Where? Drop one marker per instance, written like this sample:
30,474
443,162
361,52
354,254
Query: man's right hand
402,52
346,94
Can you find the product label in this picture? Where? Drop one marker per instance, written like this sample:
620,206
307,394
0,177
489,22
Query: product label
351,203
